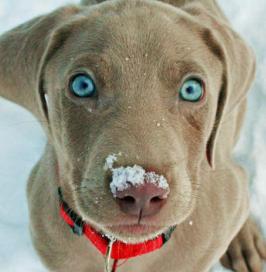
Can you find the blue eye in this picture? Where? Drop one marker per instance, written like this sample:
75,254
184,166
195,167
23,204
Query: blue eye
83,86
192,90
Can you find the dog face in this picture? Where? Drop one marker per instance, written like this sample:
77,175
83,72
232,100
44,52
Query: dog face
139,57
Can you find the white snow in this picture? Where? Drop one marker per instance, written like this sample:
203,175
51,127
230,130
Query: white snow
159,180
124,177
110,160
22,140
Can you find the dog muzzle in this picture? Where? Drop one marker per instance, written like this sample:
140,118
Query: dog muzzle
110,248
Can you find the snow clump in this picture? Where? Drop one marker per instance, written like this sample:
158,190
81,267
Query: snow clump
124,177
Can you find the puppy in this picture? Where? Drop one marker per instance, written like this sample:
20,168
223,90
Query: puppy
142,102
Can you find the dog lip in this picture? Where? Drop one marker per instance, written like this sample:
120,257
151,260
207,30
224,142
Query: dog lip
135,228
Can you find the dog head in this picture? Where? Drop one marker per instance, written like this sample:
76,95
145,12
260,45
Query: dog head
142,79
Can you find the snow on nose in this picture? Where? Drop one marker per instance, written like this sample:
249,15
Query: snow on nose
132,176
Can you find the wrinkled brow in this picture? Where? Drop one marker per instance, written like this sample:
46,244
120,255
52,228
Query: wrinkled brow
97,65
173,72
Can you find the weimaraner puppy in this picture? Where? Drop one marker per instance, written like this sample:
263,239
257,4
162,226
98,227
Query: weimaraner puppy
142,102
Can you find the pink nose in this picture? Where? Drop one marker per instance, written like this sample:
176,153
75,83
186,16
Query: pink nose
144,200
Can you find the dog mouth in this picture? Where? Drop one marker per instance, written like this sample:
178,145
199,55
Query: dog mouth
133,233
135,229
116,241
127,233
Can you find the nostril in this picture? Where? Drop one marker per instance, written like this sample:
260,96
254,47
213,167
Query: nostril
128,199
156,199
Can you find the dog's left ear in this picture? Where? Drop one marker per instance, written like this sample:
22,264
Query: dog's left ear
238,66
23,52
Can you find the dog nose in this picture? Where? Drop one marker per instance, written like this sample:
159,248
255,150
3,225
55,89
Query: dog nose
145,200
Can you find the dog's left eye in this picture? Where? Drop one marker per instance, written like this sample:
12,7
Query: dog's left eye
82,85
192,90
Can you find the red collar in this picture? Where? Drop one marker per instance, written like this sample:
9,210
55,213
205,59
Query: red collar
120,250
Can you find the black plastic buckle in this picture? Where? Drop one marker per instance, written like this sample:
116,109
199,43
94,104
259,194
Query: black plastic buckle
167,235
78,223
78,227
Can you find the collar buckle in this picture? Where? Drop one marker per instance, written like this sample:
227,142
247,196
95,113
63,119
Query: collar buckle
167,235
78,227
78,223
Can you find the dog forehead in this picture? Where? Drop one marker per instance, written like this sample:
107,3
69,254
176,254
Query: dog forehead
133,39
139,29
136,32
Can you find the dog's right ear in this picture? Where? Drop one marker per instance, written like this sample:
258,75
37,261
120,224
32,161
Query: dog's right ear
22,53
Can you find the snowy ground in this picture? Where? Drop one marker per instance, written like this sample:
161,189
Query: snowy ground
22,140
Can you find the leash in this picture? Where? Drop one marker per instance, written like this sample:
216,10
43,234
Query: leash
109,247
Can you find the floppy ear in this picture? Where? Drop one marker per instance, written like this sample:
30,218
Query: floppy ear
238,66
22,53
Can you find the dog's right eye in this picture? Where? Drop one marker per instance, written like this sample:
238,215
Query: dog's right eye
82,85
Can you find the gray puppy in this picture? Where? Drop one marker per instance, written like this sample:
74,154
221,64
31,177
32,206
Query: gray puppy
161,83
